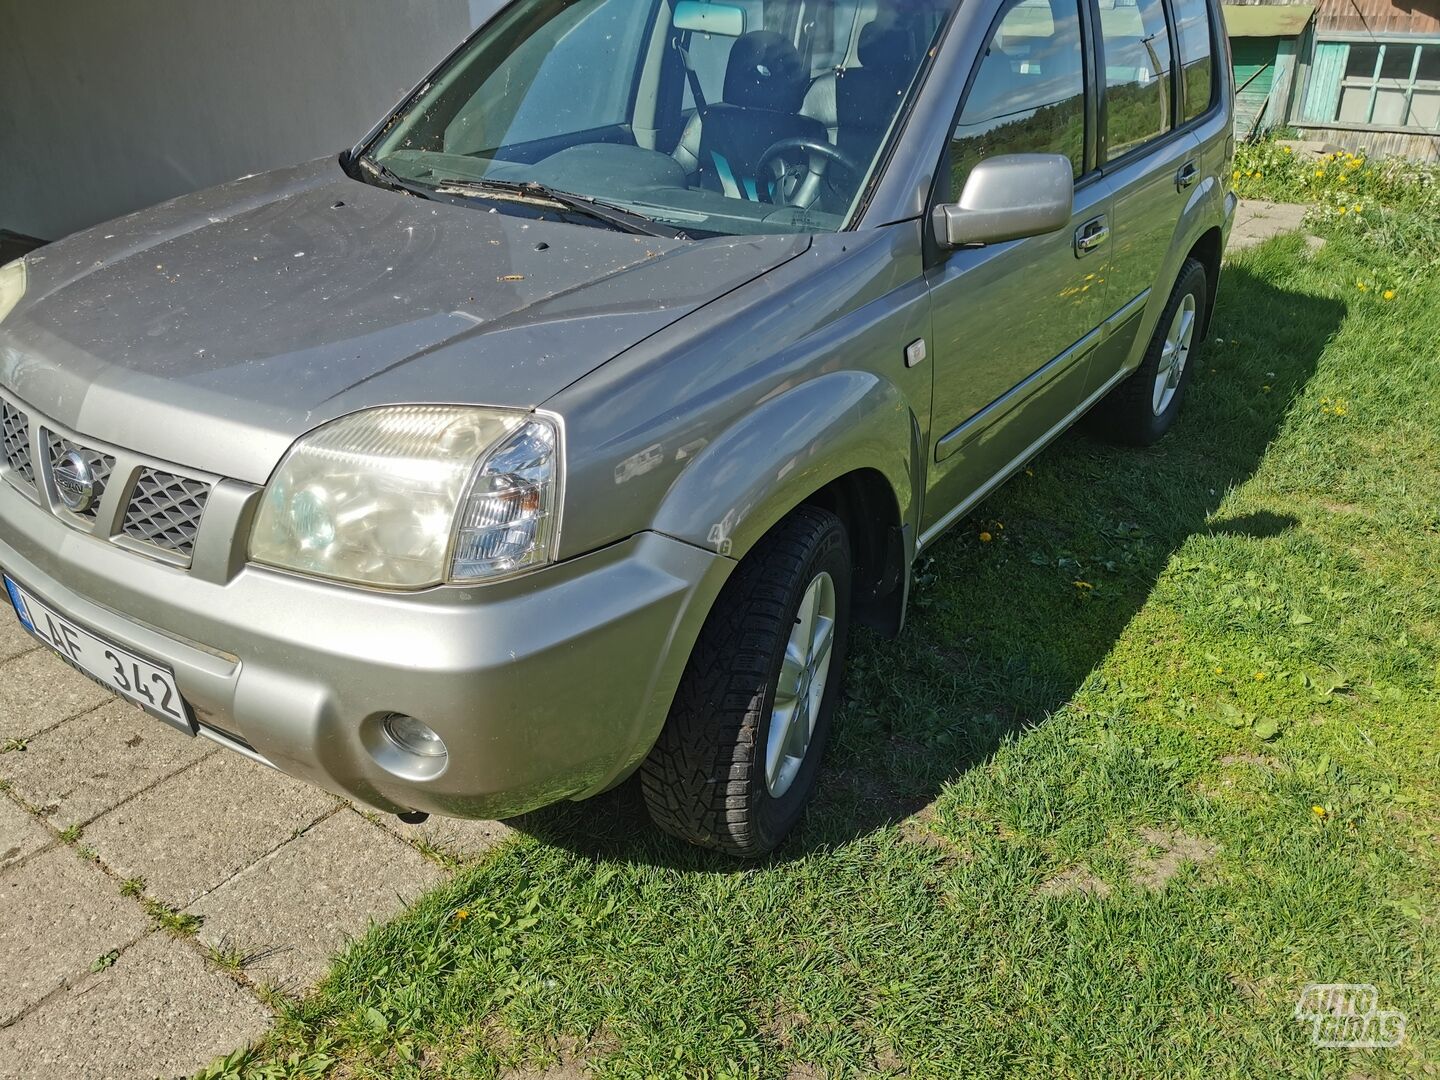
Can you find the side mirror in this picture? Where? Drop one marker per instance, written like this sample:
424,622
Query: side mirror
1009,198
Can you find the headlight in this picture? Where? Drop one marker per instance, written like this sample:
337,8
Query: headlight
12,286
414,496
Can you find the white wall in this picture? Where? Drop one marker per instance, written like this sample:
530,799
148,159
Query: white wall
110,105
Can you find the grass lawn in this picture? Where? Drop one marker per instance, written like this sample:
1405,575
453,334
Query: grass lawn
1160,752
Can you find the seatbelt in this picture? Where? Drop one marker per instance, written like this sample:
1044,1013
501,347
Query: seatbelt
696,91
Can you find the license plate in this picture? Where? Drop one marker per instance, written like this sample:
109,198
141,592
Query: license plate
141,682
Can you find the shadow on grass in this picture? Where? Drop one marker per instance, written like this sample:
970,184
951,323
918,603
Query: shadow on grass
1002,634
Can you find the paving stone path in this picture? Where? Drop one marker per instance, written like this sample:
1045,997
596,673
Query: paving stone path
112,826
1257,221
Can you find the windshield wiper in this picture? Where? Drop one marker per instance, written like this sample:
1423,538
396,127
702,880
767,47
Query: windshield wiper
388,179
617,217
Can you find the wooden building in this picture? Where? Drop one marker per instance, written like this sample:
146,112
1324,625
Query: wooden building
1362,74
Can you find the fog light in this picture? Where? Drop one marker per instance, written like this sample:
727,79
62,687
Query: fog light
414,736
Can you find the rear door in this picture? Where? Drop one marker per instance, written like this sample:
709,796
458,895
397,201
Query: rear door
1151,165
1015,322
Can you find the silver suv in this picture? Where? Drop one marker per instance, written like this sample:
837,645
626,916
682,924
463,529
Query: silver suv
562,428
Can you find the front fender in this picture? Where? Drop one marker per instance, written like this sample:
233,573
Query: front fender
795,443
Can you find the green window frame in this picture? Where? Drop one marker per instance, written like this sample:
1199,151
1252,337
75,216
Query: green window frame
1393,84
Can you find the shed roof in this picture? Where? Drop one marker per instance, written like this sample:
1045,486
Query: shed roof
1267,20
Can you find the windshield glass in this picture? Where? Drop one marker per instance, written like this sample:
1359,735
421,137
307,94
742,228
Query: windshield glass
748,116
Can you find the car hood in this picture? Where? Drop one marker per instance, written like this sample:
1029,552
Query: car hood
213,330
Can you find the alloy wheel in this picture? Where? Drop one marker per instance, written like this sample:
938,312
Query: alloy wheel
1175,355
804,675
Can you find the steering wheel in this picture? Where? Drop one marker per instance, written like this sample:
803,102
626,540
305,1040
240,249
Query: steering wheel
818,155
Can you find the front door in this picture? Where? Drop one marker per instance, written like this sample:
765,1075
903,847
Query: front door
1015,323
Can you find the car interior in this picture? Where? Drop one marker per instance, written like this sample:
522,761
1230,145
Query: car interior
741,116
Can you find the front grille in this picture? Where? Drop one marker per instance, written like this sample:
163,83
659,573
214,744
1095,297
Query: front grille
162,511
101,466
15,442
165,511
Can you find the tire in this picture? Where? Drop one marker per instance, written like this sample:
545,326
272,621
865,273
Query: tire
708,779
1138,412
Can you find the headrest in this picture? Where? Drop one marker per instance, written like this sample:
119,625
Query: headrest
766,72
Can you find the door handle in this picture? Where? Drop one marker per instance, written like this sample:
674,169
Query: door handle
1091,236
1188,174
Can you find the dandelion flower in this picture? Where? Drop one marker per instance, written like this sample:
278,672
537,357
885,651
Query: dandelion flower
1319,172
985,538
1083,585
1287,150
1260,676
1320,812
462,914
1344,209
1219,671
1362,286
1388,294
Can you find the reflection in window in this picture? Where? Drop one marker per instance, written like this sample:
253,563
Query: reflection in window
1137,72
1192,27
1029,92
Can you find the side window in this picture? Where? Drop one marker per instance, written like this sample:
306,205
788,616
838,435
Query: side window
821,34
709,56
710,53
1136,54
1028,95
1197,52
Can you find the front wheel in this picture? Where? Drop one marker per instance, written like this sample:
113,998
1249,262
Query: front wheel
1145,406
736,763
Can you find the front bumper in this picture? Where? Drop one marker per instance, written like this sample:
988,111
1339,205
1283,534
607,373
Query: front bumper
549,686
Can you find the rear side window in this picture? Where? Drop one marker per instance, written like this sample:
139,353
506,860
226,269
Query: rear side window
1028,95
1197,52
1136,44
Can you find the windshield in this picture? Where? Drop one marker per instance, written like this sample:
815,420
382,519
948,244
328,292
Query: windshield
751,116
